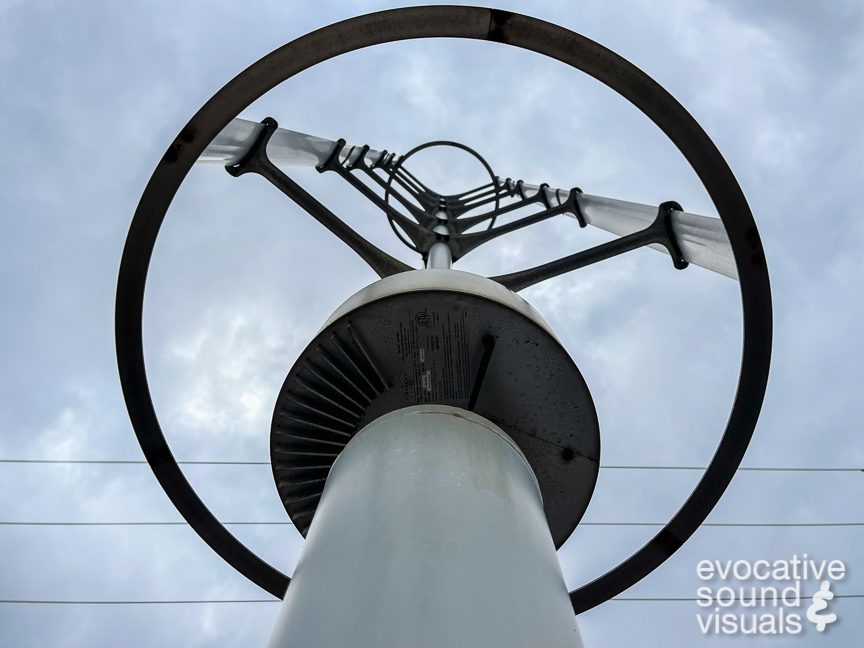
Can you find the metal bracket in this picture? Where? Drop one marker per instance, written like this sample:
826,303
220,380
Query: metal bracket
256,161
658,232
418,231
663,223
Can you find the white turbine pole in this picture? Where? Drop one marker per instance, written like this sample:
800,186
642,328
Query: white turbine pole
440,257
430,532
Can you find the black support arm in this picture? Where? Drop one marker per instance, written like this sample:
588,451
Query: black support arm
660,231
256,161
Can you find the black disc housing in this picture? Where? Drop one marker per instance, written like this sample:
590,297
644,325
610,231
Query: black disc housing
444,337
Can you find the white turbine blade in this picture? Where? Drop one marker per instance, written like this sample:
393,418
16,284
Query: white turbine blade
702,239
286,147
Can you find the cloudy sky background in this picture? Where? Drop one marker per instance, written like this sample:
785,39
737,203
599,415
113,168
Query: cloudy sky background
241,279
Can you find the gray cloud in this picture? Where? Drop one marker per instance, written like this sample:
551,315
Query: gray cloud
96,91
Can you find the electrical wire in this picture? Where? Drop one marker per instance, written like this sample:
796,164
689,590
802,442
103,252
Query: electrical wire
641,599
693,598
131,462
276,523
734,524
139,602
286,523
178,523
743,468
267,463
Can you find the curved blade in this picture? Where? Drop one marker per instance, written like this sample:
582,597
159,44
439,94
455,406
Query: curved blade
286,147
702,239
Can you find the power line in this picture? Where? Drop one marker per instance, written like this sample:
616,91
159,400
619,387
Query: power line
267,463
804,597
745,468
209,601
734,524
131,462
139,602
178,523
286,523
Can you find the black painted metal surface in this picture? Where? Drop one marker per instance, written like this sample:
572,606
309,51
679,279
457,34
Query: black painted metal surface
660,231
444,348
256,161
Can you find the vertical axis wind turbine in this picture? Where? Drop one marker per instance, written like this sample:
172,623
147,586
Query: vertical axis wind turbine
434,442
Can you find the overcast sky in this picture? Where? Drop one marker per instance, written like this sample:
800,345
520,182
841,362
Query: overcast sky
94,92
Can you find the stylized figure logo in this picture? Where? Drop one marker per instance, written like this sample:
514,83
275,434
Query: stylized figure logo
814,612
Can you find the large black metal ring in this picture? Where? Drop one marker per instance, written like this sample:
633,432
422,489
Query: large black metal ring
455,22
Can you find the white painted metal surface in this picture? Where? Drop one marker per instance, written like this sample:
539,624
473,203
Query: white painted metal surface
440,257
430,533
702,239
286,147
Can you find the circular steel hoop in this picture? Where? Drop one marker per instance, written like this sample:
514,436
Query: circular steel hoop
480,24
422,147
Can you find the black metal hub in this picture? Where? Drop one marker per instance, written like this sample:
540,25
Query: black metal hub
452,206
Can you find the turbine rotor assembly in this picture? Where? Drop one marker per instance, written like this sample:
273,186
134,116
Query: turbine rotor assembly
440,336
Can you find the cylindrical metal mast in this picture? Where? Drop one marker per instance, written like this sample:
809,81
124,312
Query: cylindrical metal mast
430,533
440,257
